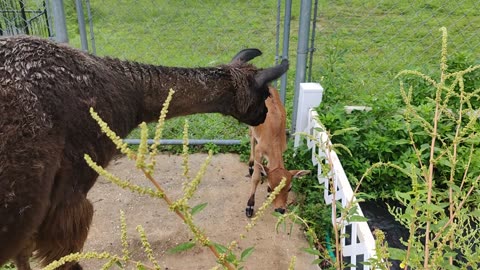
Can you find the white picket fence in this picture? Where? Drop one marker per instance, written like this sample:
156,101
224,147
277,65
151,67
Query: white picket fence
360,245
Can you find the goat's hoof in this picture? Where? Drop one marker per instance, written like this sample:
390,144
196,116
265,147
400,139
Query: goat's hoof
250,170
249,211
280,210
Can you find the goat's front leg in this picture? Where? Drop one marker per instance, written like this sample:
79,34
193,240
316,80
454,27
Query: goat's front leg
256,177
252,151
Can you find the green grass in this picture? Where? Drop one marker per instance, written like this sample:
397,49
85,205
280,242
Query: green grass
360,45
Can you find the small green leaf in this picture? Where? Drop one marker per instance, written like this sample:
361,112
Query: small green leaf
140,267
433,207
181,247
220,248
231,258
450,254
119,264
312,251
198,208
246,253
397,254
475,213
357,218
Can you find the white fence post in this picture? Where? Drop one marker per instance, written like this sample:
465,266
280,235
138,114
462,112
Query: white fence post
359,246
310,96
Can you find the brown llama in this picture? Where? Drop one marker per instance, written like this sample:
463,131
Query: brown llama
269,141
46,90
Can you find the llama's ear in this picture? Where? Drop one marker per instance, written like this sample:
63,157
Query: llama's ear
246,55
267,75
299,173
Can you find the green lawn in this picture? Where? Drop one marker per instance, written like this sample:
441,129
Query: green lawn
360,45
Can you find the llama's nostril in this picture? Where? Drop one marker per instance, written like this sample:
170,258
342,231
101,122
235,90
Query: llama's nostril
280,210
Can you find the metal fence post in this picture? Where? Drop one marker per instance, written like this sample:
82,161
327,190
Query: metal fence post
90,23
312,44
61,34
286,39
302,51
81,25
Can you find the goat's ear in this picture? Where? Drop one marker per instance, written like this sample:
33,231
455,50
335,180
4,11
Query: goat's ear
246,55
263,169
267,75
299,173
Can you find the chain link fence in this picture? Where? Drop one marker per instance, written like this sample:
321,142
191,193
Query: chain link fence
24,17
361,45
357,47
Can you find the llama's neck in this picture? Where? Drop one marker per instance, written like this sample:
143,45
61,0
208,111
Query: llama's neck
197,90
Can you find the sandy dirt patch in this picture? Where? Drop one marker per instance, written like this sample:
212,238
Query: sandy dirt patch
225,188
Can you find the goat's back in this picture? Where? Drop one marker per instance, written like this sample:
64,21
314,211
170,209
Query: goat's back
273,130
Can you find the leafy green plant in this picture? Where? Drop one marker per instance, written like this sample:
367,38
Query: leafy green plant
441,208
382,136
379,136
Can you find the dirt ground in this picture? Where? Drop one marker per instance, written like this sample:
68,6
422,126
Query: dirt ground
225,188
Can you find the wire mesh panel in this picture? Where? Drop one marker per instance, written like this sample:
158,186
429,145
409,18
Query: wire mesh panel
24,17
188,34
362,45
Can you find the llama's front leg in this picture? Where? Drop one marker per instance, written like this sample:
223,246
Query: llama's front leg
22,260
256,177
65,230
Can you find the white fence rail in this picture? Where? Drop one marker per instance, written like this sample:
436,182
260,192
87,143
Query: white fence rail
359,246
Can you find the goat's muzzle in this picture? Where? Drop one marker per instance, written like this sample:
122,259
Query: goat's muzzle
280,210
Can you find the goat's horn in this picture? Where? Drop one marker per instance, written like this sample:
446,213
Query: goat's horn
246,55
267,75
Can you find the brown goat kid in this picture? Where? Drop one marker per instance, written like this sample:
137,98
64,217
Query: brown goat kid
269,141
46,90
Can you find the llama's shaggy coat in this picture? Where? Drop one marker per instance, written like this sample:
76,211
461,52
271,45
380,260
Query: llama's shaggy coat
46,90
